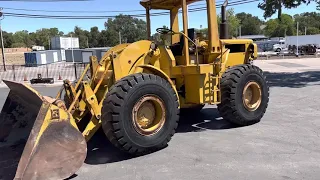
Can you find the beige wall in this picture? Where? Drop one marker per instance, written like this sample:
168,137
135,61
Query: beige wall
13,50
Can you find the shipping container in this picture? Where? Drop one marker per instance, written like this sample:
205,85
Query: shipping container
36,58
53,56
103,52
86,56
77,55
33,59
62,55
59,42
99,51
83,55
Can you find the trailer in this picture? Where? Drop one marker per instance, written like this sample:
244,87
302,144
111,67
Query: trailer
303,40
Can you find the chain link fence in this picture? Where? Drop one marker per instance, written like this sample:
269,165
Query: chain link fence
59,71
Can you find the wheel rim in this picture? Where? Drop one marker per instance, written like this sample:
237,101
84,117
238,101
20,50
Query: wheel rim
148,115
252,96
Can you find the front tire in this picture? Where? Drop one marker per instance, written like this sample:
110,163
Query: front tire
140,113
245,95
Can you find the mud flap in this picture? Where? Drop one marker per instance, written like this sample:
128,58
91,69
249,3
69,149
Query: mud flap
38,140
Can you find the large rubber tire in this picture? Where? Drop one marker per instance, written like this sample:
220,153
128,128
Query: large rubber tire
117,117
233,82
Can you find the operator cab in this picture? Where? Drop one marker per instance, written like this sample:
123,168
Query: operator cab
187,48
177,48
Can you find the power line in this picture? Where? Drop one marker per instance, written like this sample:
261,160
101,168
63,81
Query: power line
92,12
44,0
106,17
38,10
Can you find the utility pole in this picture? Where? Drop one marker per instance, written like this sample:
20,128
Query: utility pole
49,42
87,42
120,37
285,32
305,30
297,39
72,48
240,31
2,44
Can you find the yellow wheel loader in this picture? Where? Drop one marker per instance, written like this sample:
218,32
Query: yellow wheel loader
135,94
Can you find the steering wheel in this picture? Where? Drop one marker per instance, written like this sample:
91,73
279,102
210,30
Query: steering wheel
164,31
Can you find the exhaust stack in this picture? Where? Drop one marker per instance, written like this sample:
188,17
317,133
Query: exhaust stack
224,24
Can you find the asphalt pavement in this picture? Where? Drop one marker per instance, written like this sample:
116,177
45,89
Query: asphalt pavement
285,145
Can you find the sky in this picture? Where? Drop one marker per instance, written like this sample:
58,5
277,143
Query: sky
196,19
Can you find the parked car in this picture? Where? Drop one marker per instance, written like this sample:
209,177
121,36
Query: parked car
265,46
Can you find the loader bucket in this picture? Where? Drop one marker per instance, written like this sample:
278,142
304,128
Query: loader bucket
38,140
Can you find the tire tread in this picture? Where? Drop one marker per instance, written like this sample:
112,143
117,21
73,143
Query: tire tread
115,100
229,82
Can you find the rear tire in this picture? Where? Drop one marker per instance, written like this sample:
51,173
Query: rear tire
235,107
119,119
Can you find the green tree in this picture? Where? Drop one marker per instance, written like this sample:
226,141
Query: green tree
233,23
270,7
21,39
309,21
42,37
250,25
94,37
7,39
313,30
83,36
131,29
275,28
104,38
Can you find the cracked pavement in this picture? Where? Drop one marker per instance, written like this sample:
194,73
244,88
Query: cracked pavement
285,145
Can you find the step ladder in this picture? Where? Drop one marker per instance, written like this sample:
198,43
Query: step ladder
215,79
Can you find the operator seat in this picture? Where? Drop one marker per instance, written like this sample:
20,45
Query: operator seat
177,48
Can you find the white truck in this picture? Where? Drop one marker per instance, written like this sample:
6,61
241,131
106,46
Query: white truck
38,48
278,47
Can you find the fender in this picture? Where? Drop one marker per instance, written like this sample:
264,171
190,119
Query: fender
156,71
131,56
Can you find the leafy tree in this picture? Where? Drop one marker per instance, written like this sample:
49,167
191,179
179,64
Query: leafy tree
275,28
7,39
250,25
308,20
21,39
104,38
270,7
93,38
313,30
83,36
131,29
42,37
18,45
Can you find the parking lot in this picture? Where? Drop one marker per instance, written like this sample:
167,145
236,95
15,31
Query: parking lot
284,145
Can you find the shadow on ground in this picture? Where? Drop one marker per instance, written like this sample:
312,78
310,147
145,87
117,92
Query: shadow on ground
101,151
206,119
293,80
